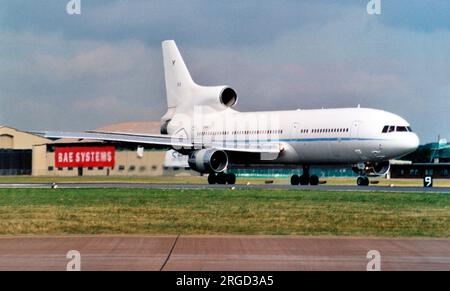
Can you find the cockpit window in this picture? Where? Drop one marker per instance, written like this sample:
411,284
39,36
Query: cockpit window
393,128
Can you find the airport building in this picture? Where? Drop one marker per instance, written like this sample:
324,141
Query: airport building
16,149
432,159
26,153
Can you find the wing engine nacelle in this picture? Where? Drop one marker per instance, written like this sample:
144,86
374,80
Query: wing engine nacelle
208,161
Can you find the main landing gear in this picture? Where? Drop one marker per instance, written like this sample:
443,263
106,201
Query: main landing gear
222,178
305,178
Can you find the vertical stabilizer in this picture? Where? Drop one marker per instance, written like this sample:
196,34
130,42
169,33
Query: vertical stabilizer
179,82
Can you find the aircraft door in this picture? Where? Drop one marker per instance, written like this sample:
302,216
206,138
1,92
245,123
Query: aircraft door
354,131
298,145
355,142
295,132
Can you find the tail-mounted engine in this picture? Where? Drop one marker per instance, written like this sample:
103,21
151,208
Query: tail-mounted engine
228,97
218,97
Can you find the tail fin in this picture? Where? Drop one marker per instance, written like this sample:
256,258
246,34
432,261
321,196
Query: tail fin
183,93
179,82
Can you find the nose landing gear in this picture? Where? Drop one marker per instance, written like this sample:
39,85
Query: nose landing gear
361,169
362,181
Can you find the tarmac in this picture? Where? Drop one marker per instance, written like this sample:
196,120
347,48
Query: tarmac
222,253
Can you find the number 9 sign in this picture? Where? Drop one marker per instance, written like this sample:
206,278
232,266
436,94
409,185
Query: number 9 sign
428,181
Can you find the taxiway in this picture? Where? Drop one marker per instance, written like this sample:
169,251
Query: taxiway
216,253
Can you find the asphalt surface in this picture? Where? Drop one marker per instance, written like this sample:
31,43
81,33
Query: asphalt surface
222,253
206,186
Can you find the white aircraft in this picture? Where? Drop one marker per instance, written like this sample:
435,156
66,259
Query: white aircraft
201,122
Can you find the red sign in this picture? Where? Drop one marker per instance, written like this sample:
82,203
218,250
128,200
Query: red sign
74,157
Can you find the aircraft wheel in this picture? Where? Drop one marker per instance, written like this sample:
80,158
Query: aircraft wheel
212,179
314,180
304,180
362,181
295,180
221,178
366,181
231,179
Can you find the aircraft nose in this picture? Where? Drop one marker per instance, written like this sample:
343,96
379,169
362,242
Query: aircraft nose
410,143
416,142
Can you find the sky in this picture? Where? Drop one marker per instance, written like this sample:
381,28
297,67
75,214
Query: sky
79,72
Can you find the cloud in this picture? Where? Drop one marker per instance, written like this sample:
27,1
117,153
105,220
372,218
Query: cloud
219,23
73,88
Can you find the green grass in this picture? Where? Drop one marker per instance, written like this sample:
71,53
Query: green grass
223,211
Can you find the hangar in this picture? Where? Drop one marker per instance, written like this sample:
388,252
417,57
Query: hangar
16,151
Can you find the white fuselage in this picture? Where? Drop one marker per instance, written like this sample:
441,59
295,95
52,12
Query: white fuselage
307,137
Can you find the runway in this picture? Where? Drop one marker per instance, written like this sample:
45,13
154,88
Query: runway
410,189
222,253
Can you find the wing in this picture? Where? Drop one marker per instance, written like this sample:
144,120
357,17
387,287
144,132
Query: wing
120,137
167,140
